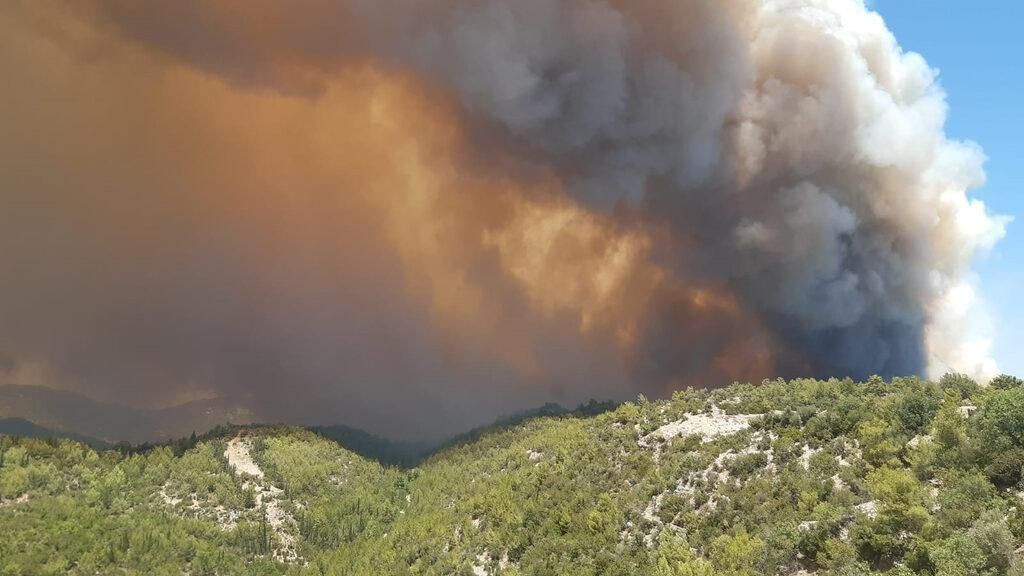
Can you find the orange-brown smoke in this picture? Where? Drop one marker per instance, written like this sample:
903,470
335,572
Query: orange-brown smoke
175,235
312,208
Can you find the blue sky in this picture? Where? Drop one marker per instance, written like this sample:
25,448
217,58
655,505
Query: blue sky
978,47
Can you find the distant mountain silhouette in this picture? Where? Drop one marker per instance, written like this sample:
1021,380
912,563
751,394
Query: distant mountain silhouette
69,413
47,412
549,410
26,429
387,452
410,454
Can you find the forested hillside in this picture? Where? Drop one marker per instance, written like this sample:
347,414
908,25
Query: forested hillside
805,477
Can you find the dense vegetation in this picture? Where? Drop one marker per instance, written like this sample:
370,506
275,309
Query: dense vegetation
828,477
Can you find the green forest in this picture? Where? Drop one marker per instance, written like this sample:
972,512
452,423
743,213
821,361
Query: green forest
805,477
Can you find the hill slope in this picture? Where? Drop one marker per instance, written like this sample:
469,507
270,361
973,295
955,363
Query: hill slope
806,477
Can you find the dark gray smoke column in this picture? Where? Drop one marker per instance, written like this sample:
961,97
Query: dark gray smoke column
641,195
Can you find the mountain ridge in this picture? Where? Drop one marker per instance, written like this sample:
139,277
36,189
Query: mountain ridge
72,413
25,429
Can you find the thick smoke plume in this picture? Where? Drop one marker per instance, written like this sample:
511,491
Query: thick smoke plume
413,215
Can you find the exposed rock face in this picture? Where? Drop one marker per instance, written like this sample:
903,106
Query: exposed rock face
239,457
707,426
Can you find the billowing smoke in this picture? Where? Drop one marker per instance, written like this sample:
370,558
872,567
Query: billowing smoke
415,215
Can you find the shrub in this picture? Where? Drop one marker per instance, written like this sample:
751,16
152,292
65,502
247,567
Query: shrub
1000,431
964,385
1006,382
916,410
993,537
958,556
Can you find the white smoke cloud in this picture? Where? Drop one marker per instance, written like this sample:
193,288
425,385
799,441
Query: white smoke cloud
960,335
